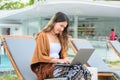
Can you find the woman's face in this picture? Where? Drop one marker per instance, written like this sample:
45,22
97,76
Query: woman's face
59,27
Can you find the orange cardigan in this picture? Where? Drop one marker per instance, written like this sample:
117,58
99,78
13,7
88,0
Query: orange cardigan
42,50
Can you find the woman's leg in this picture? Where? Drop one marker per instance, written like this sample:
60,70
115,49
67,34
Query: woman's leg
78,72
60,71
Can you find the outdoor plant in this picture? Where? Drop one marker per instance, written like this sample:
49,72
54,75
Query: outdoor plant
11,5
8,77
114,62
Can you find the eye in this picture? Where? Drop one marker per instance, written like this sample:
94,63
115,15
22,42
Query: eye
62,26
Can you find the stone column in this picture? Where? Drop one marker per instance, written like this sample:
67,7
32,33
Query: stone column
75,27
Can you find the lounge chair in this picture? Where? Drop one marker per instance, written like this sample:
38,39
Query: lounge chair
76,44
103,69
104,73
20,51
114,45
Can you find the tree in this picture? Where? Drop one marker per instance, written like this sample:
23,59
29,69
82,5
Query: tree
10,5
0,0
31,2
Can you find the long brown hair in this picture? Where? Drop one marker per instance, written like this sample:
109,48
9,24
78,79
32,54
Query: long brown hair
63,37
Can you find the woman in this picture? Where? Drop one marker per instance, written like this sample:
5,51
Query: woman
112,35
52,47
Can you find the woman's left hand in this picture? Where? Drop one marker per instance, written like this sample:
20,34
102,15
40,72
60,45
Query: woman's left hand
67,61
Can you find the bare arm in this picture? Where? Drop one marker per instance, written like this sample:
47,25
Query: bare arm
65,60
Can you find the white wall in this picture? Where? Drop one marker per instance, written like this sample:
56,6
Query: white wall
15,29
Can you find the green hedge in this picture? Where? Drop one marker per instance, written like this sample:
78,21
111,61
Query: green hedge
11,5
9,77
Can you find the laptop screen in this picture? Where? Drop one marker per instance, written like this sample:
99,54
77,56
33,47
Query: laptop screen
82,56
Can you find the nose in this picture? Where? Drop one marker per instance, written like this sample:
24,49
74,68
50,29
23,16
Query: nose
62,29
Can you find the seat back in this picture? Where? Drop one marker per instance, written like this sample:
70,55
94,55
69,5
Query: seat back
96,61
79,44
116,46
20,51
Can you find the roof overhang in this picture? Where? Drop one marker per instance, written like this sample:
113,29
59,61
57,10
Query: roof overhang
70,7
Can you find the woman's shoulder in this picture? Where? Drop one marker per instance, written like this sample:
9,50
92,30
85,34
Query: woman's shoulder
41,33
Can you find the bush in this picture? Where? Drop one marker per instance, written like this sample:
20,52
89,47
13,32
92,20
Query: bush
9,77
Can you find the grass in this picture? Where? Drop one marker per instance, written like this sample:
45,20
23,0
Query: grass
8,77
114,62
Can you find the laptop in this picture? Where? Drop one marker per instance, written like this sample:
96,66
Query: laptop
81,57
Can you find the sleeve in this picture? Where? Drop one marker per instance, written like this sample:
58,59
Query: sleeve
42,49
41,53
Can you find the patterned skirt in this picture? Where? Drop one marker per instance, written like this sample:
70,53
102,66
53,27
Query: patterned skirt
75,72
